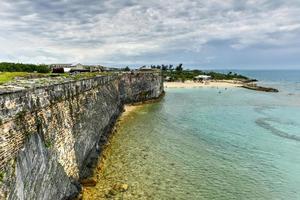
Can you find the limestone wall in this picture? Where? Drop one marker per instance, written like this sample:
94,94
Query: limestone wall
138,87
50,135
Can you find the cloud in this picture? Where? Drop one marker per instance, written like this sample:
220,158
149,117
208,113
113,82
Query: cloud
144,31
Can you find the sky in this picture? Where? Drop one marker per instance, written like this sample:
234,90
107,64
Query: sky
218,34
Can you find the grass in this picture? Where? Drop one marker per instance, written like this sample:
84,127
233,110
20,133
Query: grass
10,76
48,144
1,176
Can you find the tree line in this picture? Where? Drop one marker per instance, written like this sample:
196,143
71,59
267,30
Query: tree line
164,67
20,67
178,73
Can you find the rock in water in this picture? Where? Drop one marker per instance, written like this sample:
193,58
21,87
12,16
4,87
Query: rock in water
124,187
89,182
120,187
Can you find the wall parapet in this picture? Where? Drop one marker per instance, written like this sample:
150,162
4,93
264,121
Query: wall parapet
17,102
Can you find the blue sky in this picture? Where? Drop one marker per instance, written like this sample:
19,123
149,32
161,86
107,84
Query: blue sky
235,34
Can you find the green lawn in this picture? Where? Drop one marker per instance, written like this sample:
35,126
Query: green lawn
9,76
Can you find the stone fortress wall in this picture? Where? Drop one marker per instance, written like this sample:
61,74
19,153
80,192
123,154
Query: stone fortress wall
49,136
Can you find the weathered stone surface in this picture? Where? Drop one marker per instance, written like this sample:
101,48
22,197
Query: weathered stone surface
140,87
259,88
54,134
38,175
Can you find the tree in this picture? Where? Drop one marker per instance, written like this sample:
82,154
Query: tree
19,67
164,67
127,69
179,68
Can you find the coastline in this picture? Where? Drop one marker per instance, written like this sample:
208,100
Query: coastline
92,190
114,187
209,84
90,187
128,109
219,84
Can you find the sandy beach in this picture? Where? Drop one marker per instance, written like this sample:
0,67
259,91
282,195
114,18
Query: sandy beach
128,109
192,84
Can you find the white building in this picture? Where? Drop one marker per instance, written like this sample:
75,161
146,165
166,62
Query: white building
202,78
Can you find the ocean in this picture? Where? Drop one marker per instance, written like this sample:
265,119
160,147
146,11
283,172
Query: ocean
210,143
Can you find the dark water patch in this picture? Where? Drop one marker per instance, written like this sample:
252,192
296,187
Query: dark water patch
262,109
263,122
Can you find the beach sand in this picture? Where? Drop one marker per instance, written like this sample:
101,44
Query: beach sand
192,84
128,109
96,191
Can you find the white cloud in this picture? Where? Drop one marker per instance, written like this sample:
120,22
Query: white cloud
94,31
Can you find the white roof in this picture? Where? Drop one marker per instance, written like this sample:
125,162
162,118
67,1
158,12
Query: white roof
67,69
203,76
76,64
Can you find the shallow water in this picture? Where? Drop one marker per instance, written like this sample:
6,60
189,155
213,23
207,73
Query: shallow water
202,144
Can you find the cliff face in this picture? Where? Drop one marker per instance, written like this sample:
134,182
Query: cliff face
140,87
50,136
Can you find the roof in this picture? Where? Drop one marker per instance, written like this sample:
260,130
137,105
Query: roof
145,68
203,76
76,64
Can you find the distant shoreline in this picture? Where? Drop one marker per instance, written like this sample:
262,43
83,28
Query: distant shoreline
219,84
208,84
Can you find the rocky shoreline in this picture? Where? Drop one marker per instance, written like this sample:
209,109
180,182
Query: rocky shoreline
259,88
90,182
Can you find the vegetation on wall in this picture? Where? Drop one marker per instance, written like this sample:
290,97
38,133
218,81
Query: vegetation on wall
1,176
9,76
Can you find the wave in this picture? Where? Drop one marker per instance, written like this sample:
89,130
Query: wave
263,122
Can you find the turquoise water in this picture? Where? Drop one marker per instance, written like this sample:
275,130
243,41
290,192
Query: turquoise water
202,144
288,81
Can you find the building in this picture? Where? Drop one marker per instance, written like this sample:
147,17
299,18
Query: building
60,68
167,78
202,78
110,69
96,68
146,68
78,67
52,66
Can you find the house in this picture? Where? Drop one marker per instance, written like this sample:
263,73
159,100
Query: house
53,66
110,69
60,68
66,68
79,68
146,68
96,68
202,78
168,78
